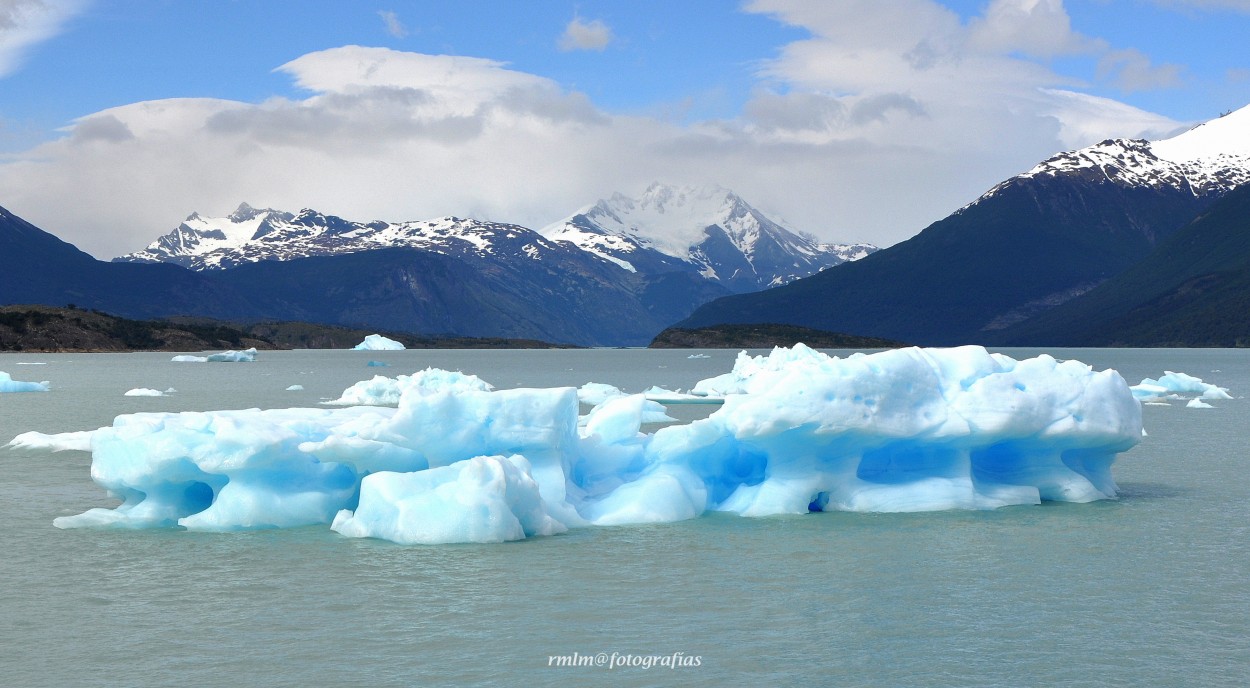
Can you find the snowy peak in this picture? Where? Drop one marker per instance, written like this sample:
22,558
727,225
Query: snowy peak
1211,158
249,235
1226,137
709,229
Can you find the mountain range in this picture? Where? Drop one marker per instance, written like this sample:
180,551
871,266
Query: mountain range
1126,242
443,276
1059,233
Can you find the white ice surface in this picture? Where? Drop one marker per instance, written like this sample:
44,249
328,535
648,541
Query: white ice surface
376,342
799,431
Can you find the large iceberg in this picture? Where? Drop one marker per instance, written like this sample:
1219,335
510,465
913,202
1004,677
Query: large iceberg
902,430
8,384
376,342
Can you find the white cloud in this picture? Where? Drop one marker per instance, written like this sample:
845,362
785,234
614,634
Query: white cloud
1040,28
394,26
585,35
26,23
884,120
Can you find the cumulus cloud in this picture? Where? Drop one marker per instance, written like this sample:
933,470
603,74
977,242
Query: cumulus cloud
26,23
585,35
1040,28
393,25
884,119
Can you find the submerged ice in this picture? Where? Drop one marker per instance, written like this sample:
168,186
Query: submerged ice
454,461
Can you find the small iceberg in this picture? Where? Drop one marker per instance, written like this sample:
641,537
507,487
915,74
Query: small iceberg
1198,403
377,364
8,384
376,342
144,392
295,388
245,356
698,356
1172,385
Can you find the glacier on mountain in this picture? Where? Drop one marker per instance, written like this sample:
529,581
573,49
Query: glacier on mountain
799,431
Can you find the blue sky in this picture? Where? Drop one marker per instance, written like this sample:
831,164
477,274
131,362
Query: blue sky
851,119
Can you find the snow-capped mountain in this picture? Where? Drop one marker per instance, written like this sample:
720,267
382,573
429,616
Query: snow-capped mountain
1031,244
250,235
708,229
1210,159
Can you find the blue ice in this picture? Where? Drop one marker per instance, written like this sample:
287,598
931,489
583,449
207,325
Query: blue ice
455,461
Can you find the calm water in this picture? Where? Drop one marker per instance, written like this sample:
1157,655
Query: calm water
1149,590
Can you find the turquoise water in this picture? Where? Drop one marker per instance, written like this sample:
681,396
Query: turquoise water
1152,589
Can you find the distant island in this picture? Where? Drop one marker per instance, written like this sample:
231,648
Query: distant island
71,329
763,336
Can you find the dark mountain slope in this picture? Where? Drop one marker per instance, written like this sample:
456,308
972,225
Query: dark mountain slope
1032,242
1193,290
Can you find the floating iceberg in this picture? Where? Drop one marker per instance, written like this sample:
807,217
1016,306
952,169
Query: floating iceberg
376,342
245,356
377,364
387,391
1176,384
295,388
595,393
8,384
1198,403
144,392
799,431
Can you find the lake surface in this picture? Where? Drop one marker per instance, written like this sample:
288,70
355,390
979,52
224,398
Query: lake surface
1152,589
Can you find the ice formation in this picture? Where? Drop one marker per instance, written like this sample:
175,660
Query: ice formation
376,342
1197,402
387,391
8,384
244,356
1175,385
144,392
295,388
377,364
798,431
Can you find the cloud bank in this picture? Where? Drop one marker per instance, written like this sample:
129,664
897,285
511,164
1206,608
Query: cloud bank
882,120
